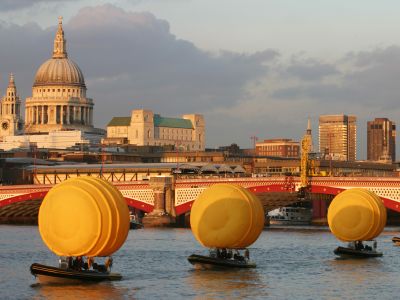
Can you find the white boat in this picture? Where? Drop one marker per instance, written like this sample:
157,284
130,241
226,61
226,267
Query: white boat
134,222
290,215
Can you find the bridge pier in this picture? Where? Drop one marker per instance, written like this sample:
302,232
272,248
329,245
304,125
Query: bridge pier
161,215
320,204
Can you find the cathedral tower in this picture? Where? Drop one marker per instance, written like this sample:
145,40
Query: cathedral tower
10,114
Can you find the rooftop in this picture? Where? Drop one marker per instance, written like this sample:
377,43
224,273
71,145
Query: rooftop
172,122
120,121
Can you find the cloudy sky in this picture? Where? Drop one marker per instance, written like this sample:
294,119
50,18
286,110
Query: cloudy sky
254,67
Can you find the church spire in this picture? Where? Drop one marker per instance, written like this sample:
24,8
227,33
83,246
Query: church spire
309,126
60,44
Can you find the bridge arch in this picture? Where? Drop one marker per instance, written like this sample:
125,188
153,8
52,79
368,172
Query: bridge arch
328,190
290,196
139,204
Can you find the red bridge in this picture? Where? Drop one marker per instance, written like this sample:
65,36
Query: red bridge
21,202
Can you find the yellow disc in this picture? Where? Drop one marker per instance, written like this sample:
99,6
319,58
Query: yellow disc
258,220
84,216
70,221
380,215
383,218
223,216
123,220
107,209
354,215
374,231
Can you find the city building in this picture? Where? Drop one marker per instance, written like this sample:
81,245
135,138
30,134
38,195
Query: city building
144,128
278,147
337,137
381,140
278,166
58,115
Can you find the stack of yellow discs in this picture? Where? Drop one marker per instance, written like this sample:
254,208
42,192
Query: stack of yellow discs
356,215
227,216
84,216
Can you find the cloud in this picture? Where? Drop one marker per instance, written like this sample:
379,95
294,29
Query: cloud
311,70
132,60
135,57
9,5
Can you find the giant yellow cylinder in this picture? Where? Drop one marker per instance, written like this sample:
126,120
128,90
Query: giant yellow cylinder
227,216
356,215
83,216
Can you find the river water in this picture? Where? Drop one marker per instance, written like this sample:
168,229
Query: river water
292,263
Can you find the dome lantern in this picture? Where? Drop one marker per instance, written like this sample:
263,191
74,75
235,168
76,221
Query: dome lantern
59,70
60,44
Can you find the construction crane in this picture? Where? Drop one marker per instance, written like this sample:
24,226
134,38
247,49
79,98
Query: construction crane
305,163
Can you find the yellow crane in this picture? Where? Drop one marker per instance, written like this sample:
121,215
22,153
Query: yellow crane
305,163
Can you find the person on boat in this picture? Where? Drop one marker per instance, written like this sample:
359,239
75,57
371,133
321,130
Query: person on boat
90,262
246,254
223,253
70,261
214,252
78,263
108,263
359,245
374,245
218,251
237,256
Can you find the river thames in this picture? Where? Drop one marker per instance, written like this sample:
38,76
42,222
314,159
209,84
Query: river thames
292,263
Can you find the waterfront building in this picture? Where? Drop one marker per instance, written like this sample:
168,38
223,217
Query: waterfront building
145,128
10,111
278,147
58,115
60,139
58,100
337,136
381,140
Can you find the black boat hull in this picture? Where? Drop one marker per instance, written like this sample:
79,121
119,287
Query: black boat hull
350,252
48,273
207,262
135,225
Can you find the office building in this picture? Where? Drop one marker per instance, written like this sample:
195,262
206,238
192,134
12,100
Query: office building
338,137
381,140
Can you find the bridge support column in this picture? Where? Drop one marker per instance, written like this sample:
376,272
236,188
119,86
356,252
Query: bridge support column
160,217
320,209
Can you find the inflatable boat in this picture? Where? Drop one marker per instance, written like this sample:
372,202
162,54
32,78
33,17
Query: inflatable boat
208,261
355,253
48,273
396,240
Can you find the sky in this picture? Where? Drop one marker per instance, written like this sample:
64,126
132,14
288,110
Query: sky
252,68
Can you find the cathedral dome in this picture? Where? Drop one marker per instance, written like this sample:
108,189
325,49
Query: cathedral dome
59,71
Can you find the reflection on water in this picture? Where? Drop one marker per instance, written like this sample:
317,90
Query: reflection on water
291,264
236,283
79,291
